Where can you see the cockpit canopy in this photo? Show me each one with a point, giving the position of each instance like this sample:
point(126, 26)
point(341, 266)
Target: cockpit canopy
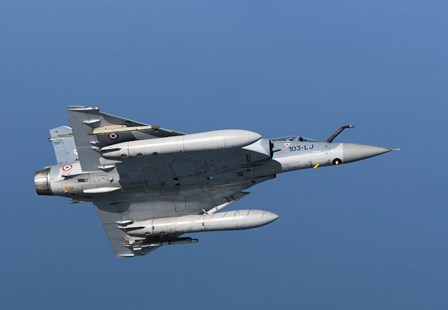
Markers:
point(294, 138)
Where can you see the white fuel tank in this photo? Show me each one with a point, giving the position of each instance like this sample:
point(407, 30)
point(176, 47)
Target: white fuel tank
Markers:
point(232, 220)
point(205, 141)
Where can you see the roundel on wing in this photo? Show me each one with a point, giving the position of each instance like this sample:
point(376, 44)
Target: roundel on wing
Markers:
point(113, 136)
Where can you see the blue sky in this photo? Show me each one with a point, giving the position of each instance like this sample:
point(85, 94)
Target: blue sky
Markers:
point(370, 235)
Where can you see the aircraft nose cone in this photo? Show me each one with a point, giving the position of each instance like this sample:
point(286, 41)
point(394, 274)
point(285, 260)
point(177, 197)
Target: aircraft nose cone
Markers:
point(354, 152)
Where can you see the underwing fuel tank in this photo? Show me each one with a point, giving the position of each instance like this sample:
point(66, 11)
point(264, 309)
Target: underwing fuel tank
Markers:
point(232, 220)
point(206, 141)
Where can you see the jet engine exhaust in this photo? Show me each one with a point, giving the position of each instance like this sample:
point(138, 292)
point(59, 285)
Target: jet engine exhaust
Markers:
point(42, 182)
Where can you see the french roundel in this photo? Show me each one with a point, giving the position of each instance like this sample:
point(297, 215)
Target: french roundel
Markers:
point(67, 167)
point(113, 136)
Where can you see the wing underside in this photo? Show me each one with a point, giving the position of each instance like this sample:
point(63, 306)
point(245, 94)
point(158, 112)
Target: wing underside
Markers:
point(123, 209)
point(156, 187)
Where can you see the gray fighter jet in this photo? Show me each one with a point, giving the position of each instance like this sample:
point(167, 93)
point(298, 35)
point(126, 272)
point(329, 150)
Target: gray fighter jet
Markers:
point(150, 185)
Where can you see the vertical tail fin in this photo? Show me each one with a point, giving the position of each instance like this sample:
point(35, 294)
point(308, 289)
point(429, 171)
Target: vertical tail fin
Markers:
point(64, 145)
point(82, 119)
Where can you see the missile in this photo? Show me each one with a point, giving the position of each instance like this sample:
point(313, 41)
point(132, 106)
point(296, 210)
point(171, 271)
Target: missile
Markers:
point(205, 141)
point(232, 220)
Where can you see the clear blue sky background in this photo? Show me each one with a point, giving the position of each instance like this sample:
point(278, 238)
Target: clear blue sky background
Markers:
point(370, 235)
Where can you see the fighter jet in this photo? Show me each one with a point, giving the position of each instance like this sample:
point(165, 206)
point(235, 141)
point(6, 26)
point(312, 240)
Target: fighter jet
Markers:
point(151, 186)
